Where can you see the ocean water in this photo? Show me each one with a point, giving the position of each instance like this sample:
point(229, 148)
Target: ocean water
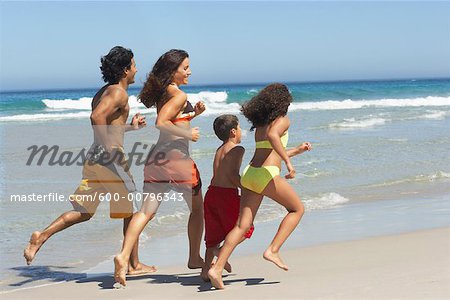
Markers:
point(373, 142)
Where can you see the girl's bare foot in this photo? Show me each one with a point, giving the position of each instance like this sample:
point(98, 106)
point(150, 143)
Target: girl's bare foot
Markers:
point(33, 247)
point(216, 278)
point(227, 266)
point(120, 270)
point(141, 269)
point(275, 258)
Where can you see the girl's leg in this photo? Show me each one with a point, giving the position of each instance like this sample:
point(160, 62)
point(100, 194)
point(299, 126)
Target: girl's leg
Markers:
point(137, 224)
point(282, 192)
point(250, 203)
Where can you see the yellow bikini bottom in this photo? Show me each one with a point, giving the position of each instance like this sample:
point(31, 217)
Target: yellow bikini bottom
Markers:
point(257, 178)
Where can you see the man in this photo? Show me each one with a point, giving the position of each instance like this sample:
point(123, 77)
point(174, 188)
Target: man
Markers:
point(105, 173)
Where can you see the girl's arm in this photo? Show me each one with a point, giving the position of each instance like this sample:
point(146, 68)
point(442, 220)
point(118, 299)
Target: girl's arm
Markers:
point(276, 130)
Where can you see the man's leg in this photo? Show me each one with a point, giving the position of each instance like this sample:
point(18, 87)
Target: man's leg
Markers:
point(135, 267)
point(38, 238)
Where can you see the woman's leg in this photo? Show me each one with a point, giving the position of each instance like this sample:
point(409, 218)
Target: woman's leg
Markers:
point(282, 192)
point(250, 203)
point(136, 226)
point(195, 231)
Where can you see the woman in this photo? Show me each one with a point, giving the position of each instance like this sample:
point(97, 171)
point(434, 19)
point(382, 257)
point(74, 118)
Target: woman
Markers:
point(267, 113)
point(178, 172)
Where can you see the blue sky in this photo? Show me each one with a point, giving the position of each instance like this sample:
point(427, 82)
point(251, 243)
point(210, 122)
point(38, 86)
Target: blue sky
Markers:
point(59, 44)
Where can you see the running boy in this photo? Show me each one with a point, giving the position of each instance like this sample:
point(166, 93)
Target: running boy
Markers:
point(222, 199)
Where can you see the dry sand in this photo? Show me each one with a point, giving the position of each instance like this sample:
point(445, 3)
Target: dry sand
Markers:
point(406, 266)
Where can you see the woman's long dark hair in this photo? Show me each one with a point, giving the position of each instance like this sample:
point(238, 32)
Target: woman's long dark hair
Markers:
point(154, 90)
point(270, 103)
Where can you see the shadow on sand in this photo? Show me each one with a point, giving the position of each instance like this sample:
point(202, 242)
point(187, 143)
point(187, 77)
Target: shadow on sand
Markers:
point(106, 281)
point(184, 279)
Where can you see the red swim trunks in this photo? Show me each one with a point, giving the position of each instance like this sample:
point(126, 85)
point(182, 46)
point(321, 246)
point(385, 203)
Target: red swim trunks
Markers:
point(221, 214)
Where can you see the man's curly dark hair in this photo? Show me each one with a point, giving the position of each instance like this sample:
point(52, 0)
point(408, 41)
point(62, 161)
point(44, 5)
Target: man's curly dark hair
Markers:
point(114, 64)
point(155, 87)
point(270, 103)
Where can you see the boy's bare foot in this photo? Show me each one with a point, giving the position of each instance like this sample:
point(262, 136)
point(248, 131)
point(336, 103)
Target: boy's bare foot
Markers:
point(204, 275)
point(33, 247)
point(196, 263)
point(216, 279)
point(275, 258)
point(120, 270)
point(141, 269)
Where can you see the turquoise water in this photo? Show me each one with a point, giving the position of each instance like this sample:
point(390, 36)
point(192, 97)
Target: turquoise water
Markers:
point(30, 102)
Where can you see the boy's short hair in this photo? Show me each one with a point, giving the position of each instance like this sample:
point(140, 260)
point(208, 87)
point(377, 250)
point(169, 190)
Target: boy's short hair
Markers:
point(223, 125)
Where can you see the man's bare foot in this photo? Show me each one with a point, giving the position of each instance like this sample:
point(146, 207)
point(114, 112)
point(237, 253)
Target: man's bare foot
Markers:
point(216, 279)
point(275, 258)
point(141, 269)
point(227, 266)
point(120, 270)
point(197, 263)
point(33, 247)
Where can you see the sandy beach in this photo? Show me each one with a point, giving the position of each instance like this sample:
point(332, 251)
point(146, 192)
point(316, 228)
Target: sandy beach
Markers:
point(412, 265)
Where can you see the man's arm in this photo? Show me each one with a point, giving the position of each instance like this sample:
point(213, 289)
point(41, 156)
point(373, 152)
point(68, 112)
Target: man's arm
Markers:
point(109, 104)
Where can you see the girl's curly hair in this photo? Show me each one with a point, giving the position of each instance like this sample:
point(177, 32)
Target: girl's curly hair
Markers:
point(270, 103)
point(154, 90)
point(115, 63)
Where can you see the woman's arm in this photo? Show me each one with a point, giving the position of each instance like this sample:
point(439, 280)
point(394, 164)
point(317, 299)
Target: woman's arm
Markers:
point(170, 111)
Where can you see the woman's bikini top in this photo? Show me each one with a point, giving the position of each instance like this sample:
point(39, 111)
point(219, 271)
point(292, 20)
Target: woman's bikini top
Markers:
point(265, 144)
point(187, 114)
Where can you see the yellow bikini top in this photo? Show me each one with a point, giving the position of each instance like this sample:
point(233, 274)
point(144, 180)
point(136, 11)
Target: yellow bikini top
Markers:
point(265, 144)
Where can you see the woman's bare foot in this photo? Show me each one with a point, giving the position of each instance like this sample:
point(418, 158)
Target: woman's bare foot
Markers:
point(33, 247)
point(216, 278)
point(141, 269)
point(275, 258)
point(196, 263)
point(120, 270)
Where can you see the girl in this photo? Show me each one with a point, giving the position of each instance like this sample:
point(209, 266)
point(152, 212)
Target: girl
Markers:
point(267, 113)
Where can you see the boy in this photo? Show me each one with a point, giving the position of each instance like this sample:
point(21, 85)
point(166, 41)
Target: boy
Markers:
point(222, 200)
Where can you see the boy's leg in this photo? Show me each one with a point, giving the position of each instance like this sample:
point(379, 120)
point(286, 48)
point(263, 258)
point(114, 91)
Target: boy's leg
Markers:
point(209, 257)
point(250, 203)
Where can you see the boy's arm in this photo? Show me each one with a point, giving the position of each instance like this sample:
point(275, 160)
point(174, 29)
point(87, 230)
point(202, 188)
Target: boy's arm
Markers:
point(237, 153)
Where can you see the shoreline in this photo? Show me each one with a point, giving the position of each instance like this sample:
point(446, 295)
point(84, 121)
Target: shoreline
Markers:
point(412, 265)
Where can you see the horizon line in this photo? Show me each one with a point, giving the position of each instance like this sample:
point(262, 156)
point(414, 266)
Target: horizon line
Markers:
point(236, 84)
